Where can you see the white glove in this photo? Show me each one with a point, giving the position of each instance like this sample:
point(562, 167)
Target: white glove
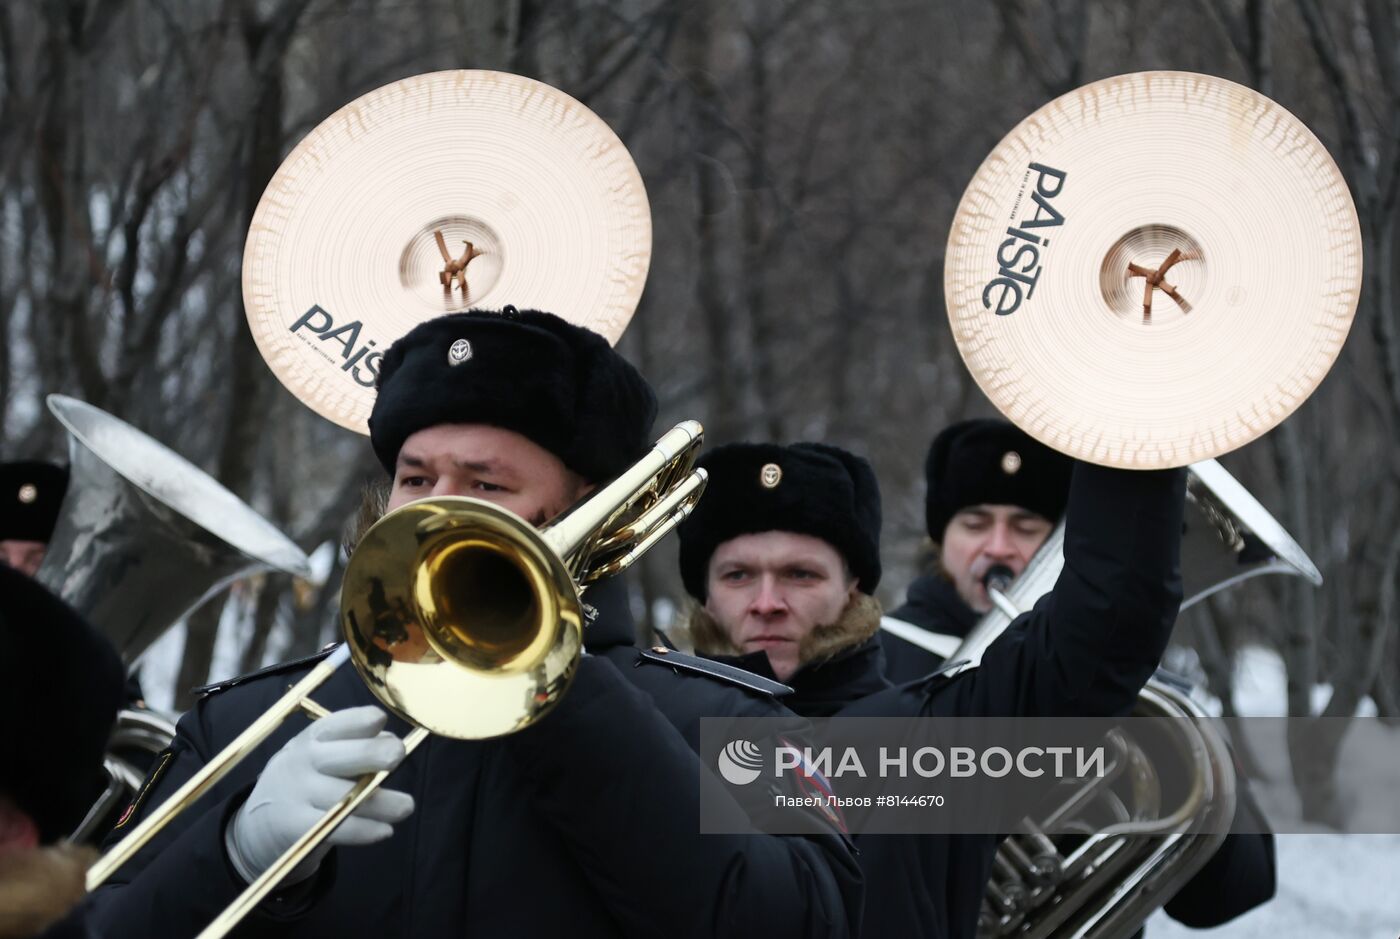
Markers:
point(305, 778)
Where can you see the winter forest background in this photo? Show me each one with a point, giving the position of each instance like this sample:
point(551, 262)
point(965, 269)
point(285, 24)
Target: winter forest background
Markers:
point(803, 159)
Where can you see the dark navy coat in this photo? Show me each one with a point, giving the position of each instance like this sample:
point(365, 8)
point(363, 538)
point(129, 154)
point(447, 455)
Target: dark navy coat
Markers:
point(1241, 874)
point(583, 825)
point(1087, 648)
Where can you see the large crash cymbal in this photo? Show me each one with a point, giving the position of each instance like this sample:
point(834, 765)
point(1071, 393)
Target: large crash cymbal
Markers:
point(1153, 269)
point(363, 231)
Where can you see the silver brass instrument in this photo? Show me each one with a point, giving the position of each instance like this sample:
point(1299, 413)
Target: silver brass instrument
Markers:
point(1128, 851)
point(142, 539)
point(463, 619)
point(1132, 854)
point(139, 735)
point(1229, 537)
point(144, 536)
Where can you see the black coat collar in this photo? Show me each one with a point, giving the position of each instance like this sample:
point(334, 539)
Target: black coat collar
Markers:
point(613, 626)
point(933, 604)
point(823, 689)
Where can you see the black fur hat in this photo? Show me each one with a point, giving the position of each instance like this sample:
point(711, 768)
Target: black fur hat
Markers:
point(807, 488)
point(61, 684)
point(559, 385)
point(992, 462)
point(30, 493)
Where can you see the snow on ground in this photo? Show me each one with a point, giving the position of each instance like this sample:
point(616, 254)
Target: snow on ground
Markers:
point(1329, 885)
point(1343, 886)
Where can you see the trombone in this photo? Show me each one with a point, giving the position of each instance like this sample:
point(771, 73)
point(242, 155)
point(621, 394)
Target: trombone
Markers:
point(464, 620)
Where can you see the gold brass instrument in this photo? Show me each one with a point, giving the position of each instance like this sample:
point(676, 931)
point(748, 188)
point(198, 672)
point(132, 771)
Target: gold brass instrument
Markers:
point(1147, 300)
point(464, 620)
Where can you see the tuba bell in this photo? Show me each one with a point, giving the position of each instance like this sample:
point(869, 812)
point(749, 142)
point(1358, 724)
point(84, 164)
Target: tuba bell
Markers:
point(1228, 538)
point(143, 538)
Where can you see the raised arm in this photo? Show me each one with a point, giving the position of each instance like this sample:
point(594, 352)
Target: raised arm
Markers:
point(1090, 645)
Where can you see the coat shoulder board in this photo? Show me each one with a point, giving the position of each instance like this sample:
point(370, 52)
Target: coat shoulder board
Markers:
point(274, 669)
point(660, 655)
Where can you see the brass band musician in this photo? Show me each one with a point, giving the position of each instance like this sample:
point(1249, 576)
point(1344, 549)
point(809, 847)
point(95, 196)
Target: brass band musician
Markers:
point(781, 557)
point(581, 824)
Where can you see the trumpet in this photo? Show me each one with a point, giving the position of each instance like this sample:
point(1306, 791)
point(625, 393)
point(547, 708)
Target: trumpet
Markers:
point(464, 620)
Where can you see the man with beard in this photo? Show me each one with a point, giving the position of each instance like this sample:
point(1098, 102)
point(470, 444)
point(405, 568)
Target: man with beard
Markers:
point(60, 687)
point(782, 558)
point(994, 496)
point(585, 823)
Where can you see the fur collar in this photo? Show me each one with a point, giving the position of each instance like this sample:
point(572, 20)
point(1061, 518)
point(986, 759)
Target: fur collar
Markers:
point(857, 623)
point(40, 887)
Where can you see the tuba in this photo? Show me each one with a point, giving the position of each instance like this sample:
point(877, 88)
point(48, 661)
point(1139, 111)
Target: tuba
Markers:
point(1125, 282)
point(145, 536)
point(1127, 854)
point(142, 539)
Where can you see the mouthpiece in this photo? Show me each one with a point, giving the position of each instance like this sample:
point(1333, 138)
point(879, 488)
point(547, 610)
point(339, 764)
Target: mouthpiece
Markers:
point(998, 577)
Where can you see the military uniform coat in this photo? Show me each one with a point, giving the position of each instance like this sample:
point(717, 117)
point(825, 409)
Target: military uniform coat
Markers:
point(582, 825)
point(934, 606)
point(1086, 648)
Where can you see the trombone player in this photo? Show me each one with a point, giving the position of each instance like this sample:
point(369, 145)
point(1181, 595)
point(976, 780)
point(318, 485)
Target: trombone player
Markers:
point(584, 823)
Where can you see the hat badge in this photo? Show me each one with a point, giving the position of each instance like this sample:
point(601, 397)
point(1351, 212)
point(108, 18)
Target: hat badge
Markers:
point(1010, 462)
point(28, 493)
point(770, 476)
point(461, 351)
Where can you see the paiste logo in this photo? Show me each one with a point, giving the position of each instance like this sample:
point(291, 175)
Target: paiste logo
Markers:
point(1018, 257)
point(362, 363)
point(740, 762)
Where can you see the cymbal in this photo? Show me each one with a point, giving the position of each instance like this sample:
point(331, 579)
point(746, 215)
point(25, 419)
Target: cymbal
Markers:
point(1153, 269)
point(434, 194)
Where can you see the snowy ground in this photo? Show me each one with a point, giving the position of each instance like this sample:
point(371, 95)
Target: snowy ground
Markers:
point(1329, 885)
point(1344, 886)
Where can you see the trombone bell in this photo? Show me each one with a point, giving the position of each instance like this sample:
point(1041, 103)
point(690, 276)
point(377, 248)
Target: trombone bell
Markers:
point(478, 634)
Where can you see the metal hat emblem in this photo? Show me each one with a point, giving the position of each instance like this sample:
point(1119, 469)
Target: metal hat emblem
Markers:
point(770, 476)
point(461, 351)
point(28, 493)
point(1010, 462)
